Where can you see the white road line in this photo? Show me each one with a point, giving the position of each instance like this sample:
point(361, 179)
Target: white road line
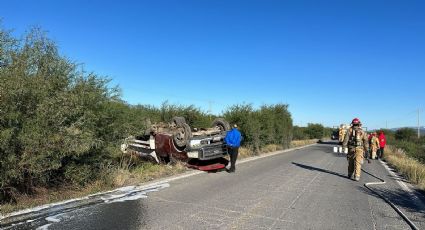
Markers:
point(398, 179)
point(403, 186)
point(401, 183)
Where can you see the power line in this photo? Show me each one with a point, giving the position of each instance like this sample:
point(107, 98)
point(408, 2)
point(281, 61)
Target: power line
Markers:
point(408, 119)
point(403, 118)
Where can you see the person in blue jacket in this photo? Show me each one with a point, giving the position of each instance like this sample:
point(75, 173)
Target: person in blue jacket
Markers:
point(233, 141)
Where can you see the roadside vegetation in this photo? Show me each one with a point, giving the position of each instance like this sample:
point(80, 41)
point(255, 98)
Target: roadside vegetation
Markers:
point(412, 169)
point(312, 131)
point(61, 127)
point(406, 153)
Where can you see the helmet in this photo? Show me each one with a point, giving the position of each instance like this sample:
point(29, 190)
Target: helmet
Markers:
point(356, 121)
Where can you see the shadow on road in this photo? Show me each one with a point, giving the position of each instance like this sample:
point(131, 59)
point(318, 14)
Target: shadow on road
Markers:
point(328, 142)
point(328, 148)
point(217, 171)
point(370, 174)
point(397, 196)
point(319, 170)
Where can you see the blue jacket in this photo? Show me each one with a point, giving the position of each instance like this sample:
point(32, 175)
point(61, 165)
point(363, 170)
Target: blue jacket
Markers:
point(233, 138)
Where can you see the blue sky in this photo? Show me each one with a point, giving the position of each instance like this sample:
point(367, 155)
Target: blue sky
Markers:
point(330, 61)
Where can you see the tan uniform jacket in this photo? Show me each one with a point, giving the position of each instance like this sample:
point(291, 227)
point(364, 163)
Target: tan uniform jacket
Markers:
point(356, 138)
point(342, 133)
point(374, 142)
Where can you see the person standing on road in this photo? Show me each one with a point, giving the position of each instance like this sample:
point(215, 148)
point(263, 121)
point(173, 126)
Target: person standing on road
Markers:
point(374, 145)
point(233, 141)
point(357, 142)
point(382, 143)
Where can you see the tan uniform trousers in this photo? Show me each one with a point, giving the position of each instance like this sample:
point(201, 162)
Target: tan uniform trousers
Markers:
point(355, 159)
point(374, 149)
point(342, 135)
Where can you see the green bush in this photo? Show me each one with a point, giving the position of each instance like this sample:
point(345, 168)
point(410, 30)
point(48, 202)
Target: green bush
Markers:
point(312, 131)
point(51, 114)
point(271, 124)
point(406, 139)
point(194, 116)
point(299, 133)
point(315, 131)
point(405, 134)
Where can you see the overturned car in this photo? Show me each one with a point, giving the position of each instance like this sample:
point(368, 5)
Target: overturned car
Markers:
point(178, 141)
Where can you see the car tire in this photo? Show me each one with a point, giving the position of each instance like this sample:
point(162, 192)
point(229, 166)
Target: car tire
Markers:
point(222, 124)
point(178, 121)
point(182, 135)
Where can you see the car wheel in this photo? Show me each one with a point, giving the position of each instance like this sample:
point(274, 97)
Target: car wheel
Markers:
point(182, 135)
point(222, 124)
point(178, 121)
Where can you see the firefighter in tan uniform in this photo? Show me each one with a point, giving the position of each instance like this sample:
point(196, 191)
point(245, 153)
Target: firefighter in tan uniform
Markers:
point(357, 142)
point(374, 145)
point(342, 132)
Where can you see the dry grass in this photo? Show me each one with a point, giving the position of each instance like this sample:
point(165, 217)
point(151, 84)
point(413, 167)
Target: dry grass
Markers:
point(412, 169)
point(117, 178)
point(245, 152)
point(46, 196)
point(152, 171)
point(299, 143)
point(271, 148)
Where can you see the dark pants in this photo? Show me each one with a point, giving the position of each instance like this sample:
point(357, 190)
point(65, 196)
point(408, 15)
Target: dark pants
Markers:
point(233, 153)
point(381, 153)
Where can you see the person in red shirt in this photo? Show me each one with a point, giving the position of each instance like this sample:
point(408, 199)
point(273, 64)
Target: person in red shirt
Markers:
point(382, 143)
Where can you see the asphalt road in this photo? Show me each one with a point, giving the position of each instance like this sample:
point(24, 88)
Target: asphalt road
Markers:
point(301, 189)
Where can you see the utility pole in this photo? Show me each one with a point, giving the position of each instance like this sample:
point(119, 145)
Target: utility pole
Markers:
point(419, 127)
point(210, 108)
point(386, 124)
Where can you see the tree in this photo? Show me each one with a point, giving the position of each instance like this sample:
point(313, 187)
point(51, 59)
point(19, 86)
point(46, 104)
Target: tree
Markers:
point(407, 134)
point(271, 124)
point(52, 119)
point(315, 131)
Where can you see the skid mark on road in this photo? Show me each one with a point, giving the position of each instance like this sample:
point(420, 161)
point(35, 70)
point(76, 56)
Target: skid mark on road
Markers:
point(292, 205)
point(211, 220)
point(220, 210)
point(372, 214)
point(263, 201)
